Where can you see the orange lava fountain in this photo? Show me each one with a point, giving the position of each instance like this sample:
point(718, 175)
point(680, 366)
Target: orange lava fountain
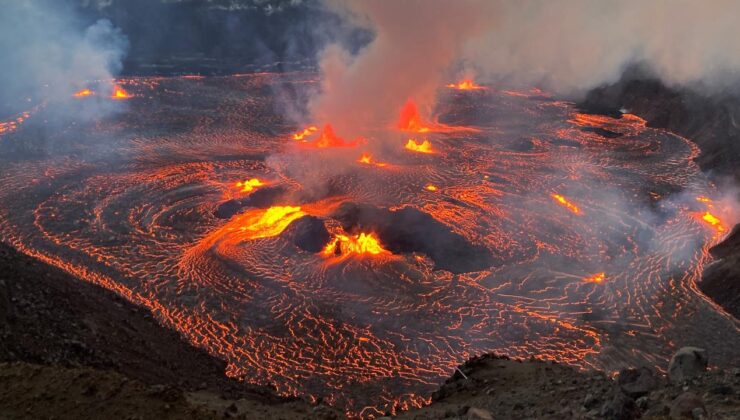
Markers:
point(466, 85)
point(367, 159)
point(249, 185)
point(120, 93)
point(596, 278)
point(410, 120)
point(362, 244)
point(83, 93)
point(423, 147)
point(301, 135)
point(328, 139)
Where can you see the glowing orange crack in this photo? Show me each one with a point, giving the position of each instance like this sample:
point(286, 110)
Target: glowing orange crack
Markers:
point(565, 203)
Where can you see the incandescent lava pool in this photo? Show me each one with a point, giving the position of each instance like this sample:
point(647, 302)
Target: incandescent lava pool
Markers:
point(363, 274)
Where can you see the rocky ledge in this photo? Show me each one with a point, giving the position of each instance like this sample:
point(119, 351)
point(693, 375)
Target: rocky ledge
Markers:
point(493, 387)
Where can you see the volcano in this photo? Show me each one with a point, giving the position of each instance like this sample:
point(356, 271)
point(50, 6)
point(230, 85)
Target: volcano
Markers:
point(365, 285)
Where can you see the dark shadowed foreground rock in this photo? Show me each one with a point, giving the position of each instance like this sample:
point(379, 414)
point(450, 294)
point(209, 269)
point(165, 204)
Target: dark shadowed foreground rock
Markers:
point(687, 363)
point(619, 407)
point(514, 389)
point(78, 351)
point(688, 406)
point(721, 278)
point(637, 382)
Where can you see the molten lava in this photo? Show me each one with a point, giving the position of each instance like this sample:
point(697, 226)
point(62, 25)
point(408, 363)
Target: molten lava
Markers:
point(565, 203)
point(328, 139)
point(465, 85)
point(430, 187)
point(410, 120)
point(120, 93)
point(713, 221)
point(703, 199)
point(249, 185)
point(265, 223)
point(596, 278)
point(423, 147)
point(83, 93)
point(301, 135)
point(367, 159)
point(362, 244)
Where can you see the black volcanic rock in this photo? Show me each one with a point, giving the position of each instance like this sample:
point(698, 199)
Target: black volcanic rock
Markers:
point(227, 209)
point(721, 279)
point(308, 233)
point(410, 230)
point(261, 198)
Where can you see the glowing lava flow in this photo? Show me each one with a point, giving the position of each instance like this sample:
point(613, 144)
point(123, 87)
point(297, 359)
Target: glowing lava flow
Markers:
point(270, 222)
point(362, 244)
point(423, 147)
point(708, 217)
point(713, 221)
point(83, 93)
point(249, 185)
point(301, 135)
point(466, 85)
point(596, 278)
point(120, 93)
point(430, 187)
point(371, 333)
point(565, 203)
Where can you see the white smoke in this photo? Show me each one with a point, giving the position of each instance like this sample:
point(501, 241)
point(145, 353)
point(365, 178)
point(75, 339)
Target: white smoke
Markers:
point(49, 52)
point(563, 46)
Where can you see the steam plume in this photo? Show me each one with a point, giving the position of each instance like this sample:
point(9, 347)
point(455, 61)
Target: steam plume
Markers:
point(49, 52)
point(567, 47)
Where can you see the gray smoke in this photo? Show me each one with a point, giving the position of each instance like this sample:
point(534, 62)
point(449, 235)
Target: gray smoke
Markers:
point(566, 47)
point(49, 52)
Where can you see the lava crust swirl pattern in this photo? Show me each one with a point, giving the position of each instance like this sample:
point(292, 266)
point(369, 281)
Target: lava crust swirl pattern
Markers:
point(587, 250)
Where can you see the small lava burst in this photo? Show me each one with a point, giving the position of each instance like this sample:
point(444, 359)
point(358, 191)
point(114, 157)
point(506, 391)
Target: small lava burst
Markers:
point(703, 199)
point(266, 223)
point(328, 139)
point(713, 221)
point(249, 185)
point(367, 159)
point(423, 147)
point(565, 203)
point(430, 187)
point(410, 120)
point(361, 244)
point(465, 85)
point(120, 93)
point(83, 93)
point(596, 278)
point(308, 131)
